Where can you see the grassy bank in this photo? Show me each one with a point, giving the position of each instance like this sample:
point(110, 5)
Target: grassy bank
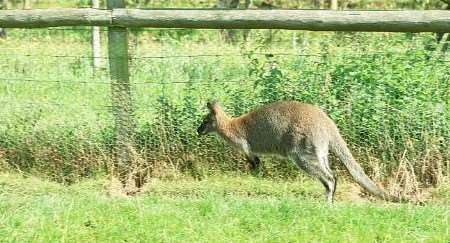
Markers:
point(219, 209)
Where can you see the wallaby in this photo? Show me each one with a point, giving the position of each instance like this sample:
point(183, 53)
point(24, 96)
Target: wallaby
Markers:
point(302, 132)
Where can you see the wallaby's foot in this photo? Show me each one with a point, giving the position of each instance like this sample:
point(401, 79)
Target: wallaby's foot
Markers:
point(330, 187)
point(255, 163)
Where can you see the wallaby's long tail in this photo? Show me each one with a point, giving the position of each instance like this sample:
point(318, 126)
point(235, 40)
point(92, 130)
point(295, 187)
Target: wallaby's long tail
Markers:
point(339, 147)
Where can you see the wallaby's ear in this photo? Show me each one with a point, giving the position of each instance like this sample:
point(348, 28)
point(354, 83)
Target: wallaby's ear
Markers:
point(212, 106)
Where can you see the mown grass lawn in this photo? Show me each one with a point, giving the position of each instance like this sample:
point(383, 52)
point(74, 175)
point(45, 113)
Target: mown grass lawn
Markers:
point(218, 209)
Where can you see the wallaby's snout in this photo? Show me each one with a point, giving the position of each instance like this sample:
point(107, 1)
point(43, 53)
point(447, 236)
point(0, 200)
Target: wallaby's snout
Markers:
point(202, 130)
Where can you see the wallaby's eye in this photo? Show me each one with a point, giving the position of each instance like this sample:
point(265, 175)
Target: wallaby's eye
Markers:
point(208, 118)
point(211, 118)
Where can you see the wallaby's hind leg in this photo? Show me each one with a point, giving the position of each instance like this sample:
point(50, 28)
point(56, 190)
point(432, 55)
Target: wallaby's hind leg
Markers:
point(325, 164)
point(312, 165)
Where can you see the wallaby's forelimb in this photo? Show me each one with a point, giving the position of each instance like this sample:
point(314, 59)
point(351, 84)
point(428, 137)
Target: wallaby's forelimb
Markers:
point(255, 162)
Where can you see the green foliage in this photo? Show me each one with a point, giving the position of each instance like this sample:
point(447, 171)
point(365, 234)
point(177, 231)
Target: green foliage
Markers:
point(387, 93)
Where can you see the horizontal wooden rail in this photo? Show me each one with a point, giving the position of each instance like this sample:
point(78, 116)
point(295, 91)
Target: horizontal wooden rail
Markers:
point(316, 20)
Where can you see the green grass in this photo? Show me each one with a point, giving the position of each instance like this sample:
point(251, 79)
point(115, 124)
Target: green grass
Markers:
point(217, 209)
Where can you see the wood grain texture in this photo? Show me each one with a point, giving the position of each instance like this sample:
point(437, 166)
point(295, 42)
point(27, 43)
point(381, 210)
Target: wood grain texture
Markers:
point(121, 96)
point(41, 18)
point(314, 20)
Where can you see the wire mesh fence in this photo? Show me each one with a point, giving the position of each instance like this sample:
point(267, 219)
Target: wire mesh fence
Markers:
point(388, 94)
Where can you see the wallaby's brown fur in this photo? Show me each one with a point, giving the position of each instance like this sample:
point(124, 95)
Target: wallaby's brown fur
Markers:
point(299, 131)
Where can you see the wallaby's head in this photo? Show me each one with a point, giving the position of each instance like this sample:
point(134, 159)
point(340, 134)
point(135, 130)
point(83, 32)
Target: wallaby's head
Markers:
point(209, 123)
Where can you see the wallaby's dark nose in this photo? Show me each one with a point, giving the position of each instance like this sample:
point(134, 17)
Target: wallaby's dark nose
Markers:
point(200, 130)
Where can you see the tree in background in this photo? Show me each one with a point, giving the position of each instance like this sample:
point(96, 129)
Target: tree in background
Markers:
point(231, 36)
point(333, 4)
point(27, 4)
point(228, 35)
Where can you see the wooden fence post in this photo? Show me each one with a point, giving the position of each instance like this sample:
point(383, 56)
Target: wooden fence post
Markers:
point(96, 47)
point(121, 97)
point(314, 20)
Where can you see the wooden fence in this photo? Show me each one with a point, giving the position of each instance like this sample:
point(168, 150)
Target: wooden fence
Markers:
point(118, 19)
point(314, 20)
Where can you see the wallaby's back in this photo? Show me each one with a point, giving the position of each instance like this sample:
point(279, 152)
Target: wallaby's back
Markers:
point(280, 126)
